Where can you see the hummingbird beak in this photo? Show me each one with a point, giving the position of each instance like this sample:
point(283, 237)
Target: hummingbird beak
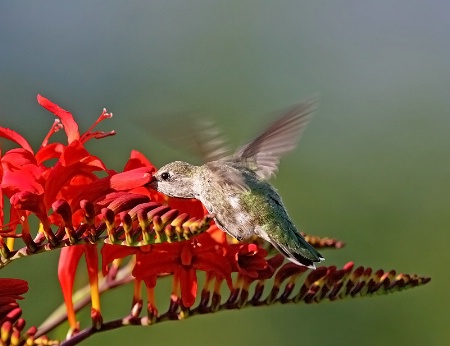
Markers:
point(153, 183)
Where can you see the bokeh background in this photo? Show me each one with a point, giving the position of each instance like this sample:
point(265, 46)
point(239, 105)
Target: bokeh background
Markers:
point(372, 169)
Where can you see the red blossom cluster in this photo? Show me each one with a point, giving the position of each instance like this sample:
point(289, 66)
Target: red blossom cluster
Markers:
point(65, 178)
point(11, 290)
point(12, 324)
point(81, 204)
point(209, 252)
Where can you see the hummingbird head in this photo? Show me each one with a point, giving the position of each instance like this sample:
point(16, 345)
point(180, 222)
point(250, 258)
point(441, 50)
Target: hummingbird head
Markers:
point(176, 179)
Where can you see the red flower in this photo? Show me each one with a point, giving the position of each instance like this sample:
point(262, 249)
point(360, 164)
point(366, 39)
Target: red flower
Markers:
point(24, 173)
point(33, 187)
point(249, 261)
point(10, 291)
point(67, 267)
point(206, 253)
point(78, 197)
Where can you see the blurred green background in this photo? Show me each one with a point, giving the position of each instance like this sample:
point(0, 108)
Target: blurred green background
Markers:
point(372, 169)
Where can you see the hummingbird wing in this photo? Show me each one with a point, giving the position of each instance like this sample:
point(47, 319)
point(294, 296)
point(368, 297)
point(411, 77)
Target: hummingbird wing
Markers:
point(209, 141)
point(191, 134)
point(227, 176)
point(262, 155)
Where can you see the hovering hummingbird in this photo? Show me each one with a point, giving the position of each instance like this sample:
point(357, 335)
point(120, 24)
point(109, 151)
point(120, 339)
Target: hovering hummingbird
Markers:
point(235, 191)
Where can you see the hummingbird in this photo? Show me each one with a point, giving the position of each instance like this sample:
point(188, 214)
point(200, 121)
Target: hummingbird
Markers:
point(236, 192)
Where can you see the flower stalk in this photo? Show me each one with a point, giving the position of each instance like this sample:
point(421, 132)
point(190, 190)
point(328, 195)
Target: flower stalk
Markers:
point(142, 237)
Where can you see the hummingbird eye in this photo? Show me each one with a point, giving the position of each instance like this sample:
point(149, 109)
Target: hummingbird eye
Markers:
point(165, 176)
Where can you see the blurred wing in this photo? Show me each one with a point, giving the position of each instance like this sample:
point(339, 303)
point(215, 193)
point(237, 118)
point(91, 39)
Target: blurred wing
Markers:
point(209, 141)
point(227, 177)
point(191, 134)
point(262, 155)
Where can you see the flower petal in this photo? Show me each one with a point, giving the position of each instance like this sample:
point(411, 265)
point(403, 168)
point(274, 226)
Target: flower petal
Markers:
point(11, 290)
point(50, 151)
point(67, 268)
point(111, 252)
point(61, 174)
point(25, 180)
point(70, 126)
point(137, 160)
point(131, 179)
point(191, 206)
point(188, 285)
point(15, 137)
point(14, 159)
point(73, 153)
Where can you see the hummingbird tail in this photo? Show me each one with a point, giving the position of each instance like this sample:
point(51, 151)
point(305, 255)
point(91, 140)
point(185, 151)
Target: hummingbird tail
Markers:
point(301, 254)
